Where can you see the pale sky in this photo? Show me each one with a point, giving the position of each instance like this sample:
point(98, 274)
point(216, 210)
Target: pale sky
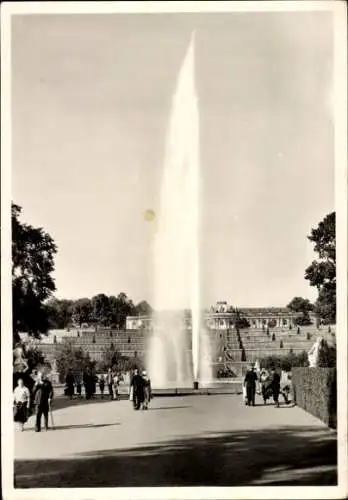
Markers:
point(91, 100)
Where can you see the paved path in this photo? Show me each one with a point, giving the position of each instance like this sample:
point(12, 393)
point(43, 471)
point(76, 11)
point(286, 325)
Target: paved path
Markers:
point(185, 441)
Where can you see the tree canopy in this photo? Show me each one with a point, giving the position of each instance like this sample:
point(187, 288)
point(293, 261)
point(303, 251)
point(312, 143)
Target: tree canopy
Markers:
point(109, 311)
point(302, 307)
point(112, 358)
point(74, 358)
point(143, 308)
point(322, 272)
point(33, 252)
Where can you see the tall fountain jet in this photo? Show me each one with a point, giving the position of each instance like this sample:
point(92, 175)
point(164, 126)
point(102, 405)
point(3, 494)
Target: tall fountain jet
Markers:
point(176, 245)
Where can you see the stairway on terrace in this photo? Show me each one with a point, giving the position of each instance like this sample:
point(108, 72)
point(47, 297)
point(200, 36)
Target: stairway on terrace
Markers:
point(258, 343)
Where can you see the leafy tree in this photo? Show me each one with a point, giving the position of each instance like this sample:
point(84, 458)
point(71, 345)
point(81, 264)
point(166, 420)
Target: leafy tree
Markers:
point(112, 358)
point(82, 311)
point(59, 312)
point(100, 306)
point(322, 272)
point(302, 307)
point(303, 320)
point(143, 309)
point(35, 358)
point(33, 253)
point(121, 307)
point(299, 304)
point(74, 358)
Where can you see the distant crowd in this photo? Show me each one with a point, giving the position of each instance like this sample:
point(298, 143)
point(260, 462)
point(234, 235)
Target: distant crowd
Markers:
point(89, 381)
point(36, 398)
point(139, 390)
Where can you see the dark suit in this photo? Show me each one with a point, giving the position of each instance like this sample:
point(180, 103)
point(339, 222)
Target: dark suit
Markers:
point(138, 384)
point(275, 384)
point(43, 392)
point(250, 384)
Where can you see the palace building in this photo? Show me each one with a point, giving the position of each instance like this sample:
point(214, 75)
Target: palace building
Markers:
point(222, 316)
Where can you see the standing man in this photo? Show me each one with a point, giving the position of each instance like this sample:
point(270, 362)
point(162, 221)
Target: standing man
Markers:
point(138, 385)
point(43, 395)
point(109, 381)
point(275, 385)
point(70, 382)
point(101, 384)
point(250, 385)
point(116, 382)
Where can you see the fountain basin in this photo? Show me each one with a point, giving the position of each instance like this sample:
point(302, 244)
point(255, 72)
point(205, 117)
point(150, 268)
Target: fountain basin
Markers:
point(235, 387)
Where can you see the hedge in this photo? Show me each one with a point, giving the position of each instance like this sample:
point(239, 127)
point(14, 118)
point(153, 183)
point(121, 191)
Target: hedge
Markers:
point(285, 362)
point(315, 391)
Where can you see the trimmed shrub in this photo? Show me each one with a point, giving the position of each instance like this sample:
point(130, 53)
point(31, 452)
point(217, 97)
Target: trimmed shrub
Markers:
point(285, 362)
point(327, 357)
point(315, 392)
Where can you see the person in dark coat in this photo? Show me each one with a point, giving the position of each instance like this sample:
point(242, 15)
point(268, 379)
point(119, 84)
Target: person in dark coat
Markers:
point(109, 381)
point(87, 382)
point(102, 385)
point(275, 385)
point(43, 395)
point(70, 382)
point(250, 385)
point(138, 385)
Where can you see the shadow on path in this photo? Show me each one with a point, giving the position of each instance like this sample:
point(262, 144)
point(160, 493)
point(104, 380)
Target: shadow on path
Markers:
point(169, 408)
point(61, 402)
point(82, 426)
point(284, 456)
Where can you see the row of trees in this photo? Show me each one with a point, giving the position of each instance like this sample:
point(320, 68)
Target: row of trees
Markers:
point(110, 311)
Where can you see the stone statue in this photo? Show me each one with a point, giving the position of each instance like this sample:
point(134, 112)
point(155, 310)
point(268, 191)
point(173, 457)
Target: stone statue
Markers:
point(315, 352)
point(19, 362)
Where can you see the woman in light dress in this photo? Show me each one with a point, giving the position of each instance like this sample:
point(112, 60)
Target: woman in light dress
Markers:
point(21, 399)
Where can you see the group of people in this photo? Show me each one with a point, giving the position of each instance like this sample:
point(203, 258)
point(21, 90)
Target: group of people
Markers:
point(271, 384)
point(38, 401)
point(90, 381)
point(140, 392)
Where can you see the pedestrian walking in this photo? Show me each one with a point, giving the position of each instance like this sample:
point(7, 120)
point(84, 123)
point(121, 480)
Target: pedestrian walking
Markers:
point(250, 385)
point(115, 384)
point(265, 385)
point(102, 385)
point(79, 386)
point(275, 385)
point(88, 383)
point(21, 399)
point(43, 395)
point(109, 380)
point(147, 391)
point(137, 386)
point(69, 383)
